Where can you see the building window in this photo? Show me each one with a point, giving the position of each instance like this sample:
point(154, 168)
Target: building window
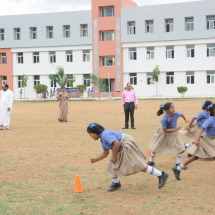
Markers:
point(3, 58)
point(1, 34)
point(133, 78)
point(108, 11)
point(210, 50)
point(107, 36)
point(210, 77)
point(170, 52)
point(36, 57)
point(150, 53)
point(190, 51)
point(190, 77)
point(20, 58)
point(69, 56)
point(52, 57)
point(87, 80)
point(86, 55)
point(36, 80)
point(19, 82)
point(149, 78)
point(50, 33)
point(53, 83)
point(169, 25)
point(189, 24)
point(131, 28)
point(170, 78)
point(84, 30)
point(33, 33)
point(210, 22)
point(149, 27)
point(66, 31)
point(108, 61)
point(17, 34)
point(4, 80)
point(132, 54)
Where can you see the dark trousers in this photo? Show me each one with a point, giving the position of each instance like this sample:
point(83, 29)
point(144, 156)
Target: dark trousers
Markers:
point(129, 107)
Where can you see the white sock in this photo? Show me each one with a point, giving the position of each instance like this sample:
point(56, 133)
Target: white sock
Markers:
point(115, 179)
point(188, 144)
point(153, 171)
point(152, 157)
point(180, 167)
point(179, 157)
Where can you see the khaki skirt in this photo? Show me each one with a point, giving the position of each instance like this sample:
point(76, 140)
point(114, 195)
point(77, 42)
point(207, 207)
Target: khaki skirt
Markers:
point(206, 149)
point(193, 133)
point(130, 160)
point(163, 143)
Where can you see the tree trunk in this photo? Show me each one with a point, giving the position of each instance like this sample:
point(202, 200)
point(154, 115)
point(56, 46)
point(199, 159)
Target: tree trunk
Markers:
point(156, 89)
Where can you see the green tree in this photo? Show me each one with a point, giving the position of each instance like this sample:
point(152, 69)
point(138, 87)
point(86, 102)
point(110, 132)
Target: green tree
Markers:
point(40, 88)
point(182, 90)
point(24, 79)
point(61, 78)
point(100, 83)
point(82, 89)
point(155, 76)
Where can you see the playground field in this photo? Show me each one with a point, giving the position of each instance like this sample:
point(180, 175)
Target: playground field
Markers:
point(40, 158)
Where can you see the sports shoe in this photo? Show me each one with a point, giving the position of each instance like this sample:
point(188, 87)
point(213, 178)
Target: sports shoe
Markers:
point(189, 155)
point(114, 186)
point(184, 168)
point(151, 163)
point(185, 146)
point(162, 179)
point(7, 128)
point(176, 173)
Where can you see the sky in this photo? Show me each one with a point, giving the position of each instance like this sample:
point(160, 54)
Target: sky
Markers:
point(13, 7)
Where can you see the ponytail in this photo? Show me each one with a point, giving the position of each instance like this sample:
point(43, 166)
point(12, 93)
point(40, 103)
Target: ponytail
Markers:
point(206, 104)
point(163, 108)
point(211, 109)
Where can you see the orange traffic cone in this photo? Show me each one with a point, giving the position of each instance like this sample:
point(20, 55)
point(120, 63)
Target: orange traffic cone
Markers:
point(150, 152)
point(78, 186)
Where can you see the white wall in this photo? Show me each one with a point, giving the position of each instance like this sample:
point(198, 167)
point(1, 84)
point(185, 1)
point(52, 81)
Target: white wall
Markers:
point(78, 68)
point(200, 64)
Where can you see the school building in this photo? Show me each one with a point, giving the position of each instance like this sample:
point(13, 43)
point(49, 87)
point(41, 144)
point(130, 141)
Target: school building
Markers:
point(116, 37)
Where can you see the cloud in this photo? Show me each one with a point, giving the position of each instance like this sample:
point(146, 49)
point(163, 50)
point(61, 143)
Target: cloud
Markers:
point(12, 7)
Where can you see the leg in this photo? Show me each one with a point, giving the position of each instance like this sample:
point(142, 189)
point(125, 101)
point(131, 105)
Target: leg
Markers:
point(151, 162)
point(115, 185)
point(162, 176)
point(126, 110)
point(132, 106)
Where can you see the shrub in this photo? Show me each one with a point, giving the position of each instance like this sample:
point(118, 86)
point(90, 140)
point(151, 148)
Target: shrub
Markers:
point(182, 90)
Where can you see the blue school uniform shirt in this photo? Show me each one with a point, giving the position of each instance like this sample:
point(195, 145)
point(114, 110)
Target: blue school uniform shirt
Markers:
point(92, 90)
point(50, 91)
point(53, 91)
point(209, 126)
point(108, 137)
point(88, 91)
point(170, 123)
point(202, 117)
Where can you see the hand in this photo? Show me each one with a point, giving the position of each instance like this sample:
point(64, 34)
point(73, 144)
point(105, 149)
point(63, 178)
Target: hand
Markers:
point(93, 160)
point(187, 121)
point(178, 128)
point(197, 143)
point(113, 159)
point(122, 104)
point(136, 106)
point(8, 109)
point(188, 129)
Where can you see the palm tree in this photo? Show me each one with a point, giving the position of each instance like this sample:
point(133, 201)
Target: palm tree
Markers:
point(61, 78)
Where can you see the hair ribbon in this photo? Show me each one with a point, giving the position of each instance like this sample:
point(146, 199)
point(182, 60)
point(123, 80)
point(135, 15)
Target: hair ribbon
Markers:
point(203, 105)
point(162, 106)
point(92, 125)
point(210, 106)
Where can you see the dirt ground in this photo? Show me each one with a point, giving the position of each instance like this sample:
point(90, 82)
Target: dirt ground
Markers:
point(40, 158)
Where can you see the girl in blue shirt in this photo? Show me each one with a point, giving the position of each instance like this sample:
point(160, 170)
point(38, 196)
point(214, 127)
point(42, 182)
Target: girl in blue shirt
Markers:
point(192, 130)
point(127, 156)
point(204, 146)
point(166, 140)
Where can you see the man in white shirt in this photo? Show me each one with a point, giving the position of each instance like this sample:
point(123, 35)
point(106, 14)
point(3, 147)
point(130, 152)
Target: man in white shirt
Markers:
point(6, 101)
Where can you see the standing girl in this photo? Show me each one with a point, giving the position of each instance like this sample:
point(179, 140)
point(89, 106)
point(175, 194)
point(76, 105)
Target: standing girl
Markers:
point(204, 146)
point(127, 156)
point(166, 140)
point(192, 130)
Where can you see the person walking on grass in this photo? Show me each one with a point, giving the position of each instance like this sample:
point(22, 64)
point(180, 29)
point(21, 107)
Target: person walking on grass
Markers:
point(127, 156)
point(166, 140)
point(204, 146)
point(130, 102)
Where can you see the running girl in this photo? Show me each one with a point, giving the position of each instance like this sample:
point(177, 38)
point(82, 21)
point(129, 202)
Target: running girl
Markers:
point(127, 156)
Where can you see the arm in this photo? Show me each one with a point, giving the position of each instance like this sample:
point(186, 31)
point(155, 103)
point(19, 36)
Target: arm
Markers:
point(191, 122)
point(100, 157)
point(10, 102)
point(58, 97)
point(197, 142)
point(116, 146)
point(186, 121)
point(172, 129)
point(123, 98)
point(136, 99)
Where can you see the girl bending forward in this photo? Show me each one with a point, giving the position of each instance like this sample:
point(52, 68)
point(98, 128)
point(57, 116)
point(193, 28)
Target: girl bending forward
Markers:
point(166, 140)
point(127, 156)
point(204, 146)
